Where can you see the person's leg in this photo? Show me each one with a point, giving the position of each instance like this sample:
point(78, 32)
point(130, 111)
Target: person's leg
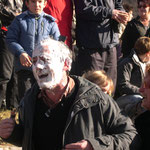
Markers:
point(25, 81)
point(12, 92)
point(83, 61)
point(110, 66)
point(129, 104)
point(6, 67)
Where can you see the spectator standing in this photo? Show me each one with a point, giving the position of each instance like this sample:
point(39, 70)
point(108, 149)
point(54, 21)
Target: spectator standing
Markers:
point(136, 28)
point(64, 112)
point(62, 10)
point(129, 9)
point(131, 72)
point(28, 29)
point(97, 35)
point(8, 80)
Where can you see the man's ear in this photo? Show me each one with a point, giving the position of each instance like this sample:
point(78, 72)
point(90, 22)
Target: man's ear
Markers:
point(66, 65)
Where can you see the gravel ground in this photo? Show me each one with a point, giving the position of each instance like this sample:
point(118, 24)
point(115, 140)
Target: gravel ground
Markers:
point(10, 148)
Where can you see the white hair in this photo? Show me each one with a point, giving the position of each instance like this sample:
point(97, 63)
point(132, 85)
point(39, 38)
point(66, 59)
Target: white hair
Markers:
point(57, 49)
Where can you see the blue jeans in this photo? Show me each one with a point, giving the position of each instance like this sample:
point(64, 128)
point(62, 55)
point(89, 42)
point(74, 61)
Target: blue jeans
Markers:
point(129, 103)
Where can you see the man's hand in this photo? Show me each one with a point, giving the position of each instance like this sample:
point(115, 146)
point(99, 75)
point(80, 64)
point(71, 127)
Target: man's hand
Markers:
point(25, 60)
point(6, 127)
point(81, 145)
point(120, 16)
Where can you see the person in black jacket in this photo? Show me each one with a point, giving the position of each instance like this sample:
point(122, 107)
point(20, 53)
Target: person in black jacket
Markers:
point(8, 80)
point(142, 122)
point(136, 28)
point(97, 35)
point(67, 112)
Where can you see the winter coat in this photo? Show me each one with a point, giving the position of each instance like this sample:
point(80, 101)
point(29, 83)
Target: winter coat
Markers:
point(95, 27)
point(129, 76)
point(26, 31)
point(132, 32)
point(94, 116)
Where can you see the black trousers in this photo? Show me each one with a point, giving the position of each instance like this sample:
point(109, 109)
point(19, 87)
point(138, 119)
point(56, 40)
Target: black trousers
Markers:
point(97, 60)
point(25, 81)
point(8, 79)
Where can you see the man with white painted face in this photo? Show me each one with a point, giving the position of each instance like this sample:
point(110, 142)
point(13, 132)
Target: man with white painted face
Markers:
point(67, 112)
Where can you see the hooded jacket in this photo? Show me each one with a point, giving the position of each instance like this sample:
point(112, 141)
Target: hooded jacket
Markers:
point(94, 116)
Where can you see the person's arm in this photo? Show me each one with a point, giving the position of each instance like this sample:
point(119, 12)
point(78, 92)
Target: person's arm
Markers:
point(89, 10)
point(12, 38)
point(120, 133)
point(55, 31)
point(128, 38)
point(124, 84)
point(11, 132)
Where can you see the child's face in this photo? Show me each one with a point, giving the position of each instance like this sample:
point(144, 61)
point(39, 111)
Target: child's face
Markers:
point(36, 6)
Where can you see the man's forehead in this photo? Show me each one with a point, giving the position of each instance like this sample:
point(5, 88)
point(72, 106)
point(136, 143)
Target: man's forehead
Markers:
point(43, 50)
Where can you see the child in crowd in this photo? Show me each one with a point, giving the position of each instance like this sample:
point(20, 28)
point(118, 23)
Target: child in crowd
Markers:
point(100, 78)
point(27, 30)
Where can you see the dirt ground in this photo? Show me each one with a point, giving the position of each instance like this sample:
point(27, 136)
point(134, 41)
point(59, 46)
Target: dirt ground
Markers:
point(6, 146)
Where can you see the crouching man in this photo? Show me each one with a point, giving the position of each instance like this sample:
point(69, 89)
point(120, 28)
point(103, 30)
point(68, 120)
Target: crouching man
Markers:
point(66, 112)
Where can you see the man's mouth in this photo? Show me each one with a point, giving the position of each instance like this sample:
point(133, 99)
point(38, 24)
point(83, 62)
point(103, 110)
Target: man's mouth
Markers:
point(43, 76)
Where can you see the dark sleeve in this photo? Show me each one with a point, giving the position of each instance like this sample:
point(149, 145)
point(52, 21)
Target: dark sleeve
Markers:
point(124, 85)
point(120, 132)
point(89, 10)
point(127, 40)
point(96, 11)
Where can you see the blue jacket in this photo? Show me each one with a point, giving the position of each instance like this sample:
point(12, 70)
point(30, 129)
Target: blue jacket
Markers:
point(25, 31)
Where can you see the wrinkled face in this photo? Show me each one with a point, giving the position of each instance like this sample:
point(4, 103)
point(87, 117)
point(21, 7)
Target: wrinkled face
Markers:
point(145, 91)
point(36, 6)
point(143, 9)
point(47, 69)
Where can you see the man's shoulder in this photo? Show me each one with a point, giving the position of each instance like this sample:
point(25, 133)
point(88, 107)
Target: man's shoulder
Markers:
point(88, 90)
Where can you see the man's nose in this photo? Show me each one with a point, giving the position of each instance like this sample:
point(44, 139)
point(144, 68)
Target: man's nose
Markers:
point(39, 66)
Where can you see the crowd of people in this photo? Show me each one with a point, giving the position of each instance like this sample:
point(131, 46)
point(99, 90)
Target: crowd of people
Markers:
point(92, 96)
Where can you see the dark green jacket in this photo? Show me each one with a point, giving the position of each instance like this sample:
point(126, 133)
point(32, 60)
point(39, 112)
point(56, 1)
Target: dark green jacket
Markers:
point(93, 116)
